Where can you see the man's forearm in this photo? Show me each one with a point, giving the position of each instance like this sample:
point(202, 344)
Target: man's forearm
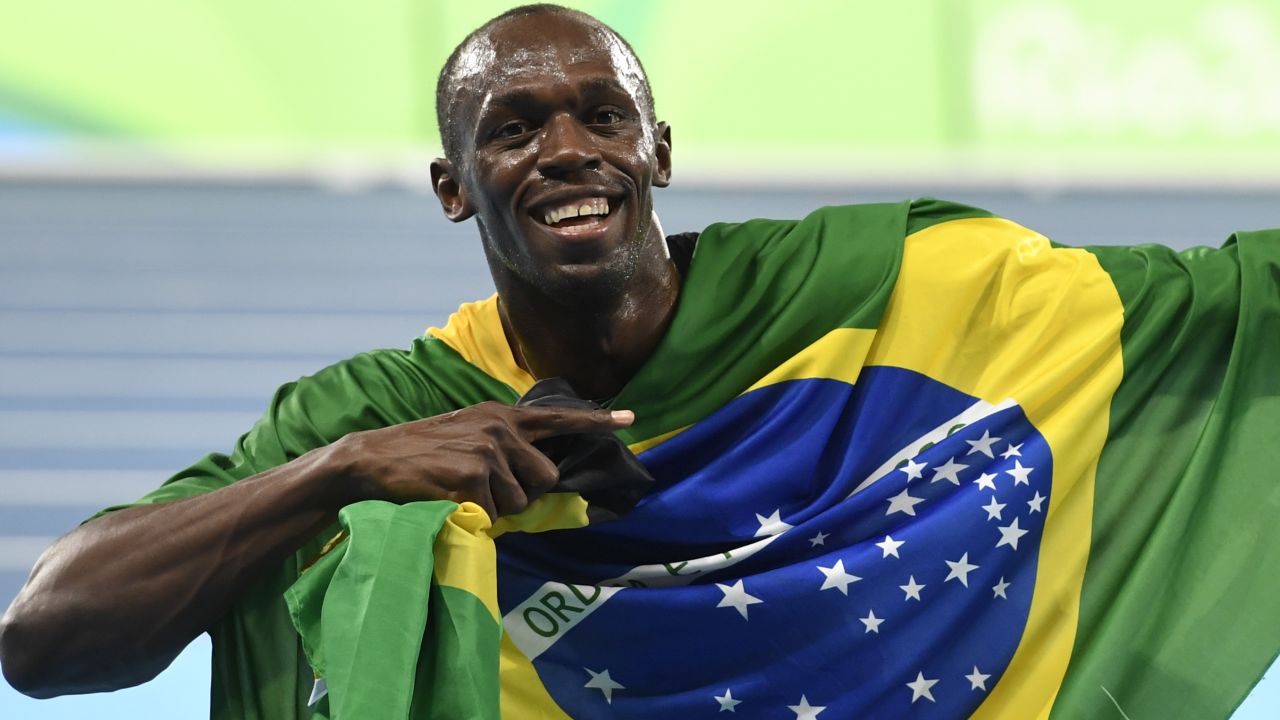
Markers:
point(113, 602)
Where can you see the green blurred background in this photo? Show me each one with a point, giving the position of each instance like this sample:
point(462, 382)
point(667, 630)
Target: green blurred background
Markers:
point(756, 91)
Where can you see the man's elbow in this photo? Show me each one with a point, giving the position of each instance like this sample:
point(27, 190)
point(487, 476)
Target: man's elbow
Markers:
point(20, 657)
point(35, 661)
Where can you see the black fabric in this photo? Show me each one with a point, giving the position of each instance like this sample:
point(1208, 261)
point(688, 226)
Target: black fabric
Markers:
point(681, 246)
point(595, 465)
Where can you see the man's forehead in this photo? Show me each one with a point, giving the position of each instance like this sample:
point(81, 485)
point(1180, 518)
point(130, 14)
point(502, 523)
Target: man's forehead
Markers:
point(544, 49)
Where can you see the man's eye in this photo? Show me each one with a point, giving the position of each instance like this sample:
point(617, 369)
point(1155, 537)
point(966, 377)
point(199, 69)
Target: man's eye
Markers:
point(607, 117)
point(511, 129)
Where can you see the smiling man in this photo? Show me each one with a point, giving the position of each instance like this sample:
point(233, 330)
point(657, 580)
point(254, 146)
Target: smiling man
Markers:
point(886, 444)
point(554, 148)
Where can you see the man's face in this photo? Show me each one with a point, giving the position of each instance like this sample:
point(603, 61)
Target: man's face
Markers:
point(558, 153)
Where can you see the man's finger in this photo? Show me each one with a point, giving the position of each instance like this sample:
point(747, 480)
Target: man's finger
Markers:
point(536, 423)
point(535, 472)
point(508, 495)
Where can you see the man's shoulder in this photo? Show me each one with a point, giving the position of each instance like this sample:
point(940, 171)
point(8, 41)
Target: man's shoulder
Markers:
point(434, 374)
point(906, 217)
point(926, 212)
point(365, 373)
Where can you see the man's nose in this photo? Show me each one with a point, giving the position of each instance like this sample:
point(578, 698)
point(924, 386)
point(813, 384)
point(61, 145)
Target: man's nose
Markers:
point(567, 147)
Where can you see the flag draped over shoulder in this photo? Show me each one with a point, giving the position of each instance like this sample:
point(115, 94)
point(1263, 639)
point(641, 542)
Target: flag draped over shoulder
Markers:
point(910, 461)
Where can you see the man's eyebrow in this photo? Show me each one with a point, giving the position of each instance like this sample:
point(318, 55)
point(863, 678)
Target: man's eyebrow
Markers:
point(525, 98)
point(602, 85)
point(519, 98)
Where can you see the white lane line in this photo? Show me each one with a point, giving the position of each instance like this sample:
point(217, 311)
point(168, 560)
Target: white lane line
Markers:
point(58, 429)
point(75, 488)
point(68, 376)
point(19, 552)
point(229, 333)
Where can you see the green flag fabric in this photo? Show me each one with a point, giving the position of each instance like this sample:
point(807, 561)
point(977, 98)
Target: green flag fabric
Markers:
point(386, 641)
point(909, 459)
point(1183, 576)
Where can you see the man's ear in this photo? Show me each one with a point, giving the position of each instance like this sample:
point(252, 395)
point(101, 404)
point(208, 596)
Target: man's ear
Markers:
point(453, 199)
point(662, 151)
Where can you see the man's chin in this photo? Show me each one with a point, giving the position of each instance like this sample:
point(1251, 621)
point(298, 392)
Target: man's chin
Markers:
point(602, 282)
point(577, 270)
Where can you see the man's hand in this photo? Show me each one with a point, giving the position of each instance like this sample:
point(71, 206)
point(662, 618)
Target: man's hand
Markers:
point(483, 453)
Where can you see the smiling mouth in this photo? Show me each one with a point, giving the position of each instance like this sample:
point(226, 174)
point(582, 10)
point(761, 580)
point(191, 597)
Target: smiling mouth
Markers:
point(575, 217)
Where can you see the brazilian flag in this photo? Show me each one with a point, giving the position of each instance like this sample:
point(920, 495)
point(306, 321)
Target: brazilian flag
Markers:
point(911, 460)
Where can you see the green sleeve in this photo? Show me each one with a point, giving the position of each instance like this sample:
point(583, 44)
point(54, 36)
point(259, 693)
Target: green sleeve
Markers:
point(259, 671)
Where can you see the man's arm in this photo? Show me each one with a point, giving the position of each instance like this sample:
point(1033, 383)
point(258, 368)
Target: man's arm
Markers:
point(113, 602)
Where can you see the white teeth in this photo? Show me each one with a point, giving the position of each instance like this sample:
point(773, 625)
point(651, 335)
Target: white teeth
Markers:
point(577, 208)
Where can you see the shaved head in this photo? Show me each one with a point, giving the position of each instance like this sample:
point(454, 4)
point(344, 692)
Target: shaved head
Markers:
point(478, 55)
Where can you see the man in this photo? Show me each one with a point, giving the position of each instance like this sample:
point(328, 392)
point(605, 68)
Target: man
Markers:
point(814, 405)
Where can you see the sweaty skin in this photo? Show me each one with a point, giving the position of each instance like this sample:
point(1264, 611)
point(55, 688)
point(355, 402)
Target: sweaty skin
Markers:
point(113, 602)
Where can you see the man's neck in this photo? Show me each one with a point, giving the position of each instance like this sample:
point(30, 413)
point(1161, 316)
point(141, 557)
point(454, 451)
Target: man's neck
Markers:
point(596, 346)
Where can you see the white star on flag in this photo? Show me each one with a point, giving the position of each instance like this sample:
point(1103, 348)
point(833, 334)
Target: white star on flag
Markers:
point(872, 622)
point(913, 469)
point(1012, 450)
point(903, 503)
point(819, 539)
point(890, 546)
point(1009, 534)
point(805, 711)
point(771, 525)
point(960, 570)
point(977, 680)
point(726, 701)
point(986, 481)
point(1035, 502)
point(737, 598)
point(605, 684)
point(1020, 474)
point(837, 578)
point(993, 509)
point(998, 589)
point(983, 445)
point(911, 589)
point(947, 471)
point(920, 688)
